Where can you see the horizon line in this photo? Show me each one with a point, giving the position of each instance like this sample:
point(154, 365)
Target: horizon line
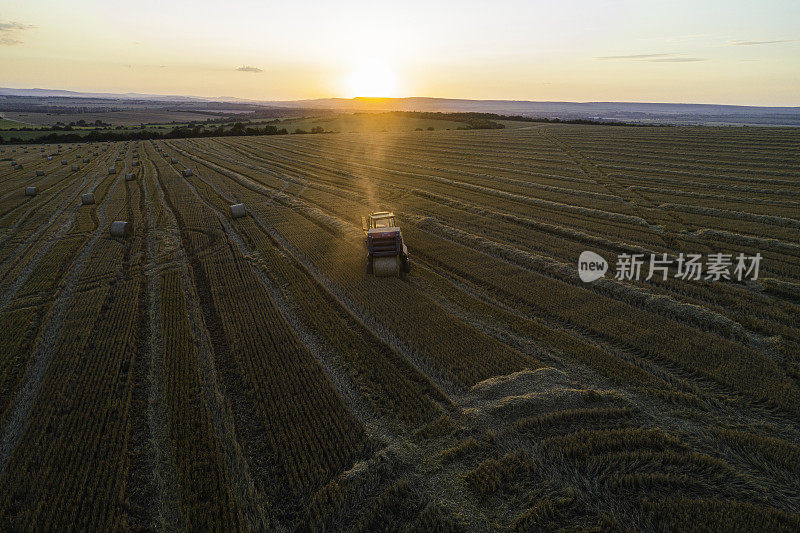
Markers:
point(111, 94)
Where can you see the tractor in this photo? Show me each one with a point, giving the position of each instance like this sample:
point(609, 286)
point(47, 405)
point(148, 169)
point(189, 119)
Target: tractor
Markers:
point(387, 254)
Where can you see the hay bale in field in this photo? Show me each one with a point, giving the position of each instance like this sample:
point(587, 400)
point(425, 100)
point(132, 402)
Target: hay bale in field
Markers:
point(18, 167)
point(30, 191)
point(238, 211)
point(130, 176)
point(174, 160)
point(74, 167)
point(85, 159)
point(40, 172)
point(88, 198)
point(121, 229)
point(187, 172)
point(49, 158)
point(112, 170)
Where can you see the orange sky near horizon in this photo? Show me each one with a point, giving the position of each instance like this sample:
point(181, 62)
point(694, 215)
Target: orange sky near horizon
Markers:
point(732, 52)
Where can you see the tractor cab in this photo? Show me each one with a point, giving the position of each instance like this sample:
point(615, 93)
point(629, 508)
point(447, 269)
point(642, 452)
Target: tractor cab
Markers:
point(378, 220)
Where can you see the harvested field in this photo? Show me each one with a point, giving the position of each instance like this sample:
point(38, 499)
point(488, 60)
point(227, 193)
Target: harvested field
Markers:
point(219, 369)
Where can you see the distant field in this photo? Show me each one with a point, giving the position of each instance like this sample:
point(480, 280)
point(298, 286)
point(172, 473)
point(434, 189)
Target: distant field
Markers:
point(363, 123)
point(247, 374)
point(6, 123)
point(132, 117)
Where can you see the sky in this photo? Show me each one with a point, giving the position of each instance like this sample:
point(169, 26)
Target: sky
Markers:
point(725, 52)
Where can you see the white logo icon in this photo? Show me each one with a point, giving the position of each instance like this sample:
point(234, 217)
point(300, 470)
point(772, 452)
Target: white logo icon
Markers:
point(591, 266)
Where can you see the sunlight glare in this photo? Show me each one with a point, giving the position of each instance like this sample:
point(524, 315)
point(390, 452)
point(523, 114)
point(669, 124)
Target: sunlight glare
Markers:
point(372, 79)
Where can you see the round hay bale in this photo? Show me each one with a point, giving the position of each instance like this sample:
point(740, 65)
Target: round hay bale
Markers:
point(30, 191)
point(121, 229)
point(187, 172)
point(130, 176)
point(18, 167)
point(238, 211)
point(386, 266)
point(112, 170)
point(74, 168)
point(88, 198)
point(40, 172)
point(174, 160)
point(85, 159)
point(63, 161)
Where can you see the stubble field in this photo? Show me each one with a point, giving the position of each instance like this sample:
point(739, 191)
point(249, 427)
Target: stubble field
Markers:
point(211, 372)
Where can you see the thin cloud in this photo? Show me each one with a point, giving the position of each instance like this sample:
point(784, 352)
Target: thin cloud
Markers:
point(758, 43)
point(247, 68)
point(635, 56)
point(10, 29)
point(12, 26)
point(654, 58)
point(677, 59)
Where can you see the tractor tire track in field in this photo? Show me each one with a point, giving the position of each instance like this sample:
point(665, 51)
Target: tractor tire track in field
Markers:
point(53, 191)
point(219, 407)
point(42, 251)
point(384, 333)
point(673, 223)
point(710, 392)
point(499, 193)
point(349, 391)
point(30, 205)
point(164, 476)
point(70, 184)
point(19, 251)
point(47, 339)
point(10, 176)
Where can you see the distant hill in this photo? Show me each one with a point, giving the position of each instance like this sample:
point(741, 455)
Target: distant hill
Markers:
point(643, 112)
point(640, 112)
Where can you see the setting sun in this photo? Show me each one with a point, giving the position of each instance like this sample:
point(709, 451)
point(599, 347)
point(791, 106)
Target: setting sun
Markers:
point(372, 79)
